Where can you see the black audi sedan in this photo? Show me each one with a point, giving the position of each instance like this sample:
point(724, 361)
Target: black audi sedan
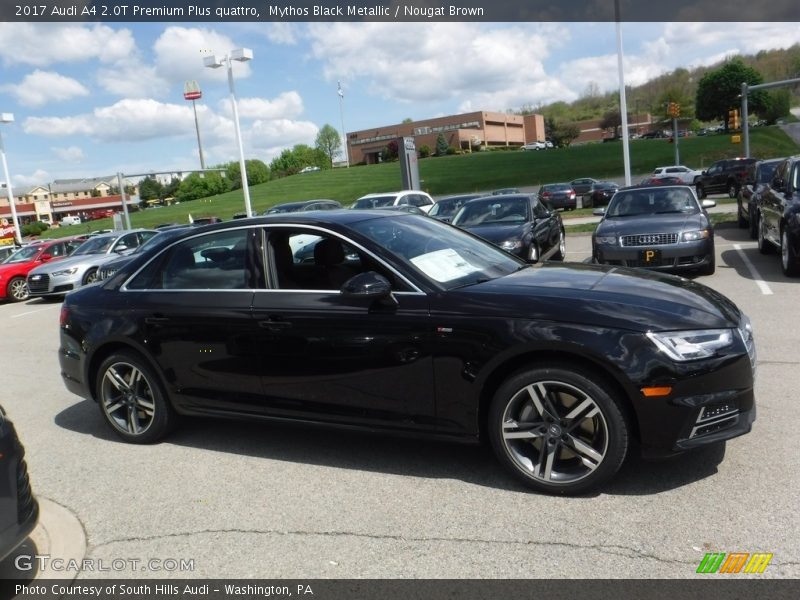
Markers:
point(517, 223)
point(19, 510)
point(430, 330)
point(656, 227)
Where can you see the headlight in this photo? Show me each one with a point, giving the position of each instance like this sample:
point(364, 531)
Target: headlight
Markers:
point(691, 345)
point(70, 271)
point(693, 236)
point(511, 244)
point(606, 239)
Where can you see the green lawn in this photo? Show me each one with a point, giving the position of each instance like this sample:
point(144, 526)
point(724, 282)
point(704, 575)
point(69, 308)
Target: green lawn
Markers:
point(466, 173)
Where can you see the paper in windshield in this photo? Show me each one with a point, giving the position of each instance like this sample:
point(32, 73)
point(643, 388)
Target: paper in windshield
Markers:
point(444, 265)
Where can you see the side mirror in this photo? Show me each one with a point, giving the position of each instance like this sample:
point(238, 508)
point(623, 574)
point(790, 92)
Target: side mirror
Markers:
point(708, 204)
point(46, 257)
point(121, 248)
point(599, 212)
point(370, 285)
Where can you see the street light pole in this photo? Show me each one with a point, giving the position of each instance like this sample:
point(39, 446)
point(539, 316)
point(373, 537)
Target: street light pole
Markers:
point(241, 55)
point(8, 118)
point(623, 103)
point(341, 116)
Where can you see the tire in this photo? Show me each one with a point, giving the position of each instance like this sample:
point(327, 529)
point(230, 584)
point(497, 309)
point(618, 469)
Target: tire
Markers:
point(131, 399)
point(90, 277)
point(754, 226)
point(739, 216)
point(578, 448)
point(733, 189)
point(789, 258)
point(710, 268)
point(764, 247)
point(701, 191)
point(533, 253)
point(17, 289)
point(561, 253)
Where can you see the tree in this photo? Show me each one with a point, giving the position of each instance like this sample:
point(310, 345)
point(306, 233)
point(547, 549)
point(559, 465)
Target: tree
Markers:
point(150, 189)
point(257, 172)
point(194, 186)
point(441, 145)
point(407, 120)
point(328, 142)
point(389, 151)
point(565, 133)
point(778, 105)
point(291, 161)
point(718, 91)
point(611, 120)
point(171, 188)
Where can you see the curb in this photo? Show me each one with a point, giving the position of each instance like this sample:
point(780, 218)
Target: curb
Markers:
point(58, 535)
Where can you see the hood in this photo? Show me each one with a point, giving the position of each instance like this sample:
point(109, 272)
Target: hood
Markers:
point(668, 223)
point(499, 232)
point(603, 295)
point(65, 263)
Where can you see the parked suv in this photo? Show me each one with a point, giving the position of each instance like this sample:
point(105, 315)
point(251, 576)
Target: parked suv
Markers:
point(728, 175)
point(759, 175)
point(779, 215)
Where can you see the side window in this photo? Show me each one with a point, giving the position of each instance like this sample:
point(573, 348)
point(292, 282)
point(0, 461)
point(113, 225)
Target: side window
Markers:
point(70, 247)
point(129, 241)
point(539, 211)
point(56, 250)
point(143, 236)
point(795, 181)
point(301, 259)
point(217, 261)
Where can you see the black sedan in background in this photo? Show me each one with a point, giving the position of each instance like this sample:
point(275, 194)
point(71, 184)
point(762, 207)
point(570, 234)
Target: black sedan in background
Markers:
point(446, 208)
point(558, 195)
point(428, 330)
point(18, 507)
point(779, 216)
point(659, 227)
point(599, 194)
point(304, 205)
point(759, 175)
point(517, 223)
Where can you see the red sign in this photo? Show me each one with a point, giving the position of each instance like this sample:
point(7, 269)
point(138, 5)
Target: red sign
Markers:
point(191, 91)
point(6, 232)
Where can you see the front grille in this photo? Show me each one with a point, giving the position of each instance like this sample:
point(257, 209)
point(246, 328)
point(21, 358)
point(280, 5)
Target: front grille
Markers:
point(25, 502)
point(652, 263)
point(714, 426)
point(39, 285)
point(650, 239)
point(106, 273)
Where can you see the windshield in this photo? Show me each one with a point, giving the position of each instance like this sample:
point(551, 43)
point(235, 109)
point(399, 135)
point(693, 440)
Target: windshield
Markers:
point(444, 255)
point(766, 171)
point(22, 255)
point(97, 245)
point(373, 202)
point(650, 201)
point(496, 210)
point(447, 207)
point(556, 188)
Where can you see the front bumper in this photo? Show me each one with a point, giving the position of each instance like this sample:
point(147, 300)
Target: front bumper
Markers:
point(671, 257)
point(44, 284)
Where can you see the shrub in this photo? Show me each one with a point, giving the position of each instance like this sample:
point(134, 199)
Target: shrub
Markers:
point(424, 151)
point(451, 150)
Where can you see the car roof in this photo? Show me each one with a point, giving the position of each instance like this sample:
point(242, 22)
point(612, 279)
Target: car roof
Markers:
point(646, 186)
point(397, 193)
point(301, 203)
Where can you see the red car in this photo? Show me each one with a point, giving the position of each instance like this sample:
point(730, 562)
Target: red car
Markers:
point(15, 268)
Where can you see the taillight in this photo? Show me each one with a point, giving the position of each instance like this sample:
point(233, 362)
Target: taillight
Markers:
point(63, 317)
point(546, 194)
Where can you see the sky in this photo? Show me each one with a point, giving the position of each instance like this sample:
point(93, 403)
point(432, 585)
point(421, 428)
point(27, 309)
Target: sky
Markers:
point(94, 99)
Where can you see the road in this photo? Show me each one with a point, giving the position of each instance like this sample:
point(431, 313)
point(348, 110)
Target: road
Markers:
point(270, 500)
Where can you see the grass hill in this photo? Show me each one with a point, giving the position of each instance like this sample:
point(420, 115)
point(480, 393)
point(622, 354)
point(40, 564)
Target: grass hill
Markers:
point(480, 171)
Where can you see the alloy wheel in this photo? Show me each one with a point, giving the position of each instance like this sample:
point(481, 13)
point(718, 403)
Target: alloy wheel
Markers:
point(18, 290)
point(126, 397)
point(554, 432)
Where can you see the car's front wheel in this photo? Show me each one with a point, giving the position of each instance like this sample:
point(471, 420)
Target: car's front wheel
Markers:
point(788, 257)
point(90, 277)
point(753, 225)
point(741, 221)
point(561, 253)
point(17, 290)
point(132, 400)
point(764, 247)
point(558, 429)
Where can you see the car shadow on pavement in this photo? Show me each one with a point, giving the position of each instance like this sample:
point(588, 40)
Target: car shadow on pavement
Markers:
point(389, 454)
point(768, 266)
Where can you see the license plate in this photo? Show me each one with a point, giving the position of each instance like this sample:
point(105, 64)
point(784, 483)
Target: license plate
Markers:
point(650, 256)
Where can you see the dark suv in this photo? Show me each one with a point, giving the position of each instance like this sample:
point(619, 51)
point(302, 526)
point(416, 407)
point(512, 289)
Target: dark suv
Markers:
point(779, 215)
point(724, 176)
point(759, 175)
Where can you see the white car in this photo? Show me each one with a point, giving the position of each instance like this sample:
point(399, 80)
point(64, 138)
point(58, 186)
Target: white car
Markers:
point(309, 169)
point(685, 174)
point(404, 197)
point(535, 146)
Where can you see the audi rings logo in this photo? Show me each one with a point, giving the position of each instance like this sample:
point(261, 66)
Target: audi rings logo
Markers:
point(648, 239)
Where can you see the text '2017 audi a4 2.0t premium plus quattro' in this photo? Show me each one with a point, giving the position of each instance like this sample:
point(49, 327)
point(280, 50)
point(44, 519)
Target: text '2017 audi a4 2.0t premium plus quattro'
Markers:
point(402, 323)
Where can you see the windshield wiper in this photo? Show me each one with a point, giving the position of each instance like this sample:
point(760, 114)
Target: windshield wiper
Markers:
point(476, 282)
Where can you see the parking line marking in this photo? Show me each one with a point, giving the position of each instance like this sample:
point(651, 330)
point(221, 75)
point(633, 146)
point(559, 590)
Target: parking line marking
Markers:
point(762, 285)
point(31, 312)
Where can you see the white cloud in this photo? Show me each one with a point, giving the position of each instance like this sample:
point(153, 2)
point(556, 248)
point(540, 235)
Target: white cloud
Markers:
point(282, 33)
point(179, 53)
point(284, 106)
point(42, 44)
point(23, 183)
point(42, 87)
point(131, 78)
point(72, 154)
point(491, 68)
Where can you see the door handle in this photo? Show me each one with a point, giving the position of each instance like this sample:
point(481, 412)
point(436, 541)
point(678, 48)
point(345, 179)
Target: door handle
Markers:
point(156, 320)
point(274, 324)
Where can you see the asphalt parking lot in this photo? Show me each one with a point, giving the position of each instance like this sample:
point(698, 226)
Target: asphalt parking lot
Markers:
point(270, 500)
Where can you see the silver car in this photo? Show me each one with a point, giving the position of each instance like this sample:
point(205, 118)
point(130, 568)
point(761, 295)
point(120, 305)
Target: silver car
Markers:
point(58, 278)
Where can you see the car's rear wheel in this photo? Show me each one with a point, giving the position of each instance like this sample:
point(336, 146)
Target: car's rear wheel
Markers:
point(90, 277)
point(558, 429)
point(17, 289)
point(788, 257)
point(740, 217)
point(132, 400)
